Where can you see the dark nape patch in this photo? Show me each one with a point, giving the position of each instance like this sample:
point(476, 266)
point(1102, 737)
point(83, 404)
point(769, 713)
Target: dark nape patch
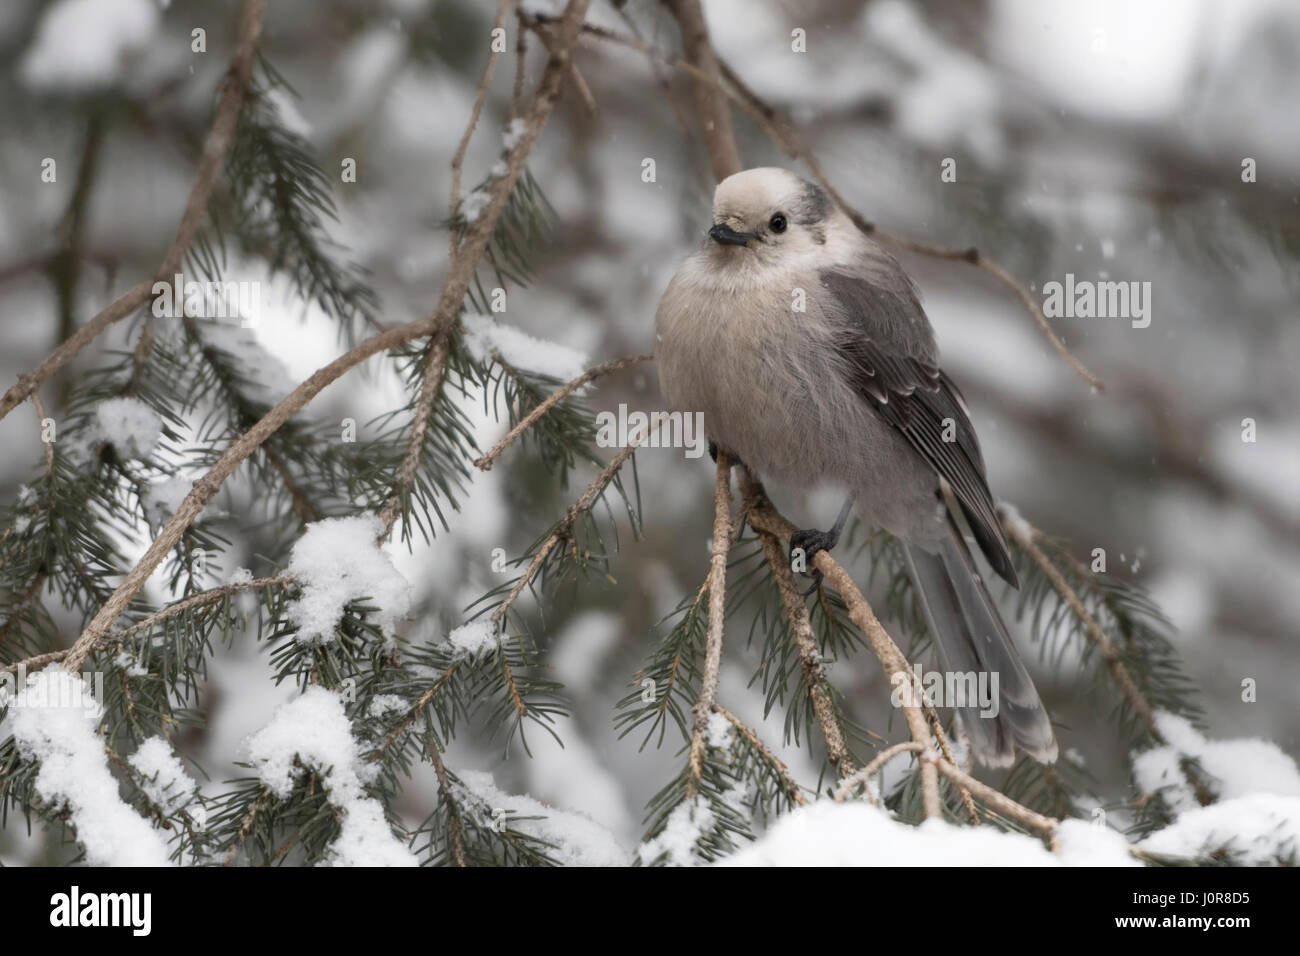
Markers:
point(813, 206)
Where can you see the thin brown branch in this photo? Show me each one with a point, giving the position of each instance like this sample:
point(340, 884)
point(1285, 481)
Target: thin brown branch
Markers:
point(246, 825)
point(215, 148)
point(480, 98)
point(443, 317)
point(936, 728)
point(710, 97)
point(863, 777)
point(997, 800)
point(579, 84)
point(486, 462)
point(717, 612)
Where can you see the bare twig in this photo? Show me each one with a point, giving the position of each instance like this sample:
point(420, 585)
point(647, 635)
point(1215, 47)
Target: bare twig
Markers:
point(579, 84)
point(717, 611)
point(486, 462)
point(438, 323)
point(997, 800)
point(215, 148)
point(458, 160)
point(936, 728)
point(710, 98)
point(863, 777)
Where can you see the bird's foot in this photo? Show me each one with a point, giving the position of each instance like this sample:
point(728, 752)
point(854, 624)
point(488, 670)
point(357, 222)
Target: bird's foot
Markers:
point(804, 546)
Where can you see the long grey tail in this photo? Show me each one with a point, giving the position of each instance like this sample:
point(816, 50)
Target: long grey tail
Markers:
point(971, 638)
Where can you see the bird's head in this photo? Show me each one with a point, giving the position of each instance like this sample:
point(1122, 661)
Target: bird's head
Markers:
point(768, 213)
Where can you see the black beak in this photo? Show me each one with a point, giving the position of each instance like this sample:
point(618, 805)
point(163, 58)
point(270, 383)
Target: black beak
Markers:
point(720, 233)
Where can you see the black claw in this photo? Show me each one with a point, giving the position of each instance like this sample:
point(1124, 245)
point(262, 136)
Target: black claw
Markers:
point(713, 450)
point(812, 541)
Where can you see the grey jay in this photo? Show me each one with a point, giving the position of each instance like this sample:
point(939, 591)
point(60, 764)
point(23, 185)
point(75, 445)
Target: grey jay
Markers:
point(804, 344)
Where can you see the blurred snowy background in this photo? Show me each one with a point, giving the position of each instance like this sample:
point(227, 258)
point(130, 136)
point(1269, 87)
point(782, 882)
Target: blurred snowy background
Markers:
point(1104, 139)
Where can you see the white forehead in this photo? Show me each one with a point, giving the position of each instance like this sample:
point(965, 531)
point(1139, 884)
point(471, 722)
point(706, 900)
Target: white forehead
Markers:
point(754, 191)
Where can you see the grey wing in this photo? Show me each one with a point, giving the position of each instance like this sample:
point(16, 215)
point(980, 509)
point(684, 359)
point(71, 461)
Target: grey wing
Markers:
point(888, 350)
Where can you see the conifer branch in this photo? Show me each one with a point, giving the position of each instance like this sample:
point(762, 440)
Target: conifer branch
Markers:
point(792, 789)
point(439, 323)
point(564, 527)
point(430, 385)
point(454, 828)
point(486, 462)
point(480, 98)
point(710, 97)
point(215, 147)
point(1025, 535)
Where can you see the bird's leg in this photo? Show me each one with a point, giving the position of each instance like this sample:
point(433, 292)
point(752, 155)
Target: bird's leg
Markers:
point(804, 546)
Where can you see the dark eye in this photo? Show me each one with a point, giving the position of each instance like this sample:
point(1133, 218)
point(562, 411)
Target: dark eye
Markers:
point(777, 223)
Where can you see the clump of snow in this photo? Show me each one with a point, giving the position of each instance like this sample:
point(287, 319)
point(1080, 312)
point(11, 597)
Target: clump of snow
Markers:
point(1012, 516)
point(826, 833)
point(129, 425)
point(166, 783)
point(337, 561)
point(469, 639)
point(129, 664)
point(718, 733)
point(314, 730)
point(240, 576)
point(51, 723)
point(514, 133)
point(675, 845)
point(286, 108)
point(163, 498)
point(265, 377)
point(521, 350)
point(472, 206)
point(1257, 830)
point(576, 840)
point(382, 704)
point(82, 45)
point(1240, 767)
